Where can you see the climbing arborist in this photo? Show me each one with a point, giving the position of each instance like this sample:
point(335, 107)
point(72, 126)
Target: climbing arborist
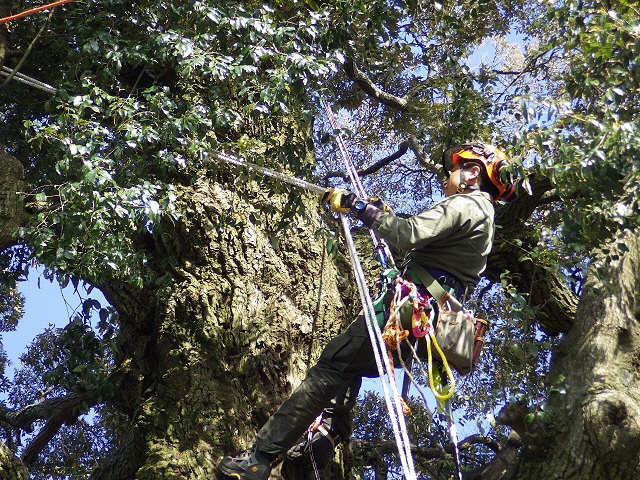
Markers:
point(451, 241)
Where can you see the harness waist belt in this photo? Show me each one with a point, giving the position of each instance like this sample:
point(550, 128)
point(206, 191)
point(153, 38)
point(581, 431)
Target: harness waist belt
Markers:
point(444, 278)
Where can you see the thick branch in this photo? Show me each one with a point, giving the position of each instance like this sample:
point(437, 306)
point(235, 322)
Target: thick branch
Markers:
point(366, 84)
point(56, 412)
point(479, 440)
point(428, 453)
point(410, 143)
point(500, 464)
point(547, 286)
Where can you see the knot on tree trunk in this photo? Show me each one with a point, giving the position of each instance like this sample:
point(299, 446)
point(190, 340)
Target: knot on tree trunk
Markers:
point(612, 425)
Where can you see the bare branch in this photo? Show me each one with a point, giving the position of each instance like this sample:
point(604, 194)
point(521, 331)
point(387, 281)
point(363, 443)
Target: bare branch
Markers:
point(366, 84)
point(410, 143)
point(503, 461)
point(479, 439)
point(56, 412)
point(429, 453)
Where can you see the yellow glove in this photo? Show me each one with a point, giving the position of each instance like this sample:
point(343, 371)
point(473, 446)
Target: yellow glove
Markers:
point(339, 199)
point(378, 203)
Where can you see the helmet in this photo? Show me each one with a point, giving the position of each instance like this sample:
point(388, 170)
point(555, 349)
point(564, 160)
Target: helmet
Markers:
point(490, 159)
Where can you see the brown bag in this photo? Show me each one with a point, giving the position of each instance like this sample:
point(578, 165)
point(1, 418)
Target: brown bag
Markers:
point(459, 336)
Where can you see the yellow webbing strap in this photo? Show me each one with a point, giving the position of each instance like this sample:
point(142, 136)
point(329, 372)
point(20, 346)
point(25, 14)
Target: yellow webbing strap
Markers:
point(445, 365)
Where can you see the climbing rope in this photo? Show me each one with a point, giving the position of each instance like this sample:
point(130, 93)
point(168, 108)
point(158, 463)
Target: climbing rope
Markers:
point(380, 246)
point(34, 10)
point(394, 405)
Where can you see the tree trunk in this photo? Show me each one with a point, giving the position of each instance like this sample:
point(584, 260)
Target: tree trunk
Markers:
point(11, 210)
point(10, 467)
point(206, 360)
point(595, 428)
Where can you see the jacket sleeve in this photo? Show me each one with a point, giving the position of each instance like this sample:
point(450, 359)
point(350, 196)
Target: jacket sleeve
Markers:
point(420, 230)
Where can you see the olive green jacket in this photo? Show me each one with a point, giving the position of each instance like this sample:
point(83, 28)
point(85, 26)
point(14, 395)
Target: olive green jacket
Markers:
point(456, 235)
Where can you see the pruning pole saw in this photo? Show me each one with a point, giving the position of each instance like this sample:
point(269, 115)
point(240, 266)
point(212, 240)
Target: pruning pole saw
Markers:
point(267, 172)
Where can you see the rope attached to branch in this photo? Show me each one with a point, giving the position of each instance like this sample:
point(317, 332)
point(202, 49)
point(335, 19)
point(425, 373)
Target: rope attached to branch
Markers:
point(34, 10)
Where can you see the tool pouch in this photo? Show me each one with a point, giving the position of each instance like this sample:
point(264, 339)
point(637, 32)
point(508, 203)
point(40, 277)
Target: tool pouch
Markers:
point(459, 335)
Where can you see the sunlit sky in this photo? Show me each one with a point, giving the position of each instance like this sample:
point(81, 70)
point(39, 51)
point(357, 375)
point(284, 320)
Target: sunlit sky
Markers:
point(46, 304)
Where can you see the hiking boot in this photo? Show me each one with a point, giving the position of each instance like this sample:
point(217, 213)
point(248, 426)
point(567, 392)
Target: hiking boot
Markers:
point(251, 465)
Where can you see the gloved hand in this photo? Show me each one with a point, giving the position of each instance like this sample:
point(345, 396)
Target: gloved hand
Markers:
point(339, 199)
point(378, 203)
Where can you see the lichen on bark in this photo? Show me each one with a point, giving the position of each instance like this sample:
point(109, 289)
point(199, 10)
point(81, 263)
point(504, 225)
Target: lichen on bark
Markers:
point(236, 331)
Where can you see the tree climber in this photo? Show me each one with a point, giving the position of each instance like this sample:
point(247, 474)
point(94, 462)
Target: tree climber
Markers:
point(451, 241)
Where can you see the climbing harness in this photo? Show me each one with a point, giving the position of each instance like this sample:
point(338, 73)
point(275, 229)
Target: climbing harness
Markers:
point(421, 326)
point(318, 427)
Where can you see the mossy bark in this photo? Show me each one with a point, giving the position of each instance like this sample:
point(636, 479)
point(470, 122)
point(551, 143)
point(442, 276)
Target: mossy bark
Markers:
point(595, 428)
point(206, 360)
point(10, 467)
point(12, 213)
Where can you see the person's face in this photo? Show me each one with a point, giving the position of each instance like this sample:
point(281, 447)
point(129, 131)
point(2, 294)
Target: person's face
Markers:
point(469, 175)
point(450, 185)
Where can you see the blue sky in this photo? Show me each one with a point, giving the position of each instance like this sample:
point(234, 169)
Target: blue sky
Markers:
point(46, 304)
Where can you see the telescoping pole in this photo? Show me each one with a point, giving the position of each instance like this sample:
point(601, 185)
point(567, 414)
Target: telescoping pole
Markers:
point(298, 182)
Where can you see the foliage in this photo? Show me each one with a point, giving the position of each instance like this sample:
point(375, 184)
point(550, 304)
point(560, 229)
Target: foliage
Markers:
point(60, 361)
point(590, 150)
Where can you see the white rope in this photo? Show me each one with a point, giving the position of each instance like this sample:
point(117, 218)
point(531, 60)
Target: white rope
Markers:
point(395, 409)
point(453, 435)
point(356, 182)
point(351, 169)
point(382, 361)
